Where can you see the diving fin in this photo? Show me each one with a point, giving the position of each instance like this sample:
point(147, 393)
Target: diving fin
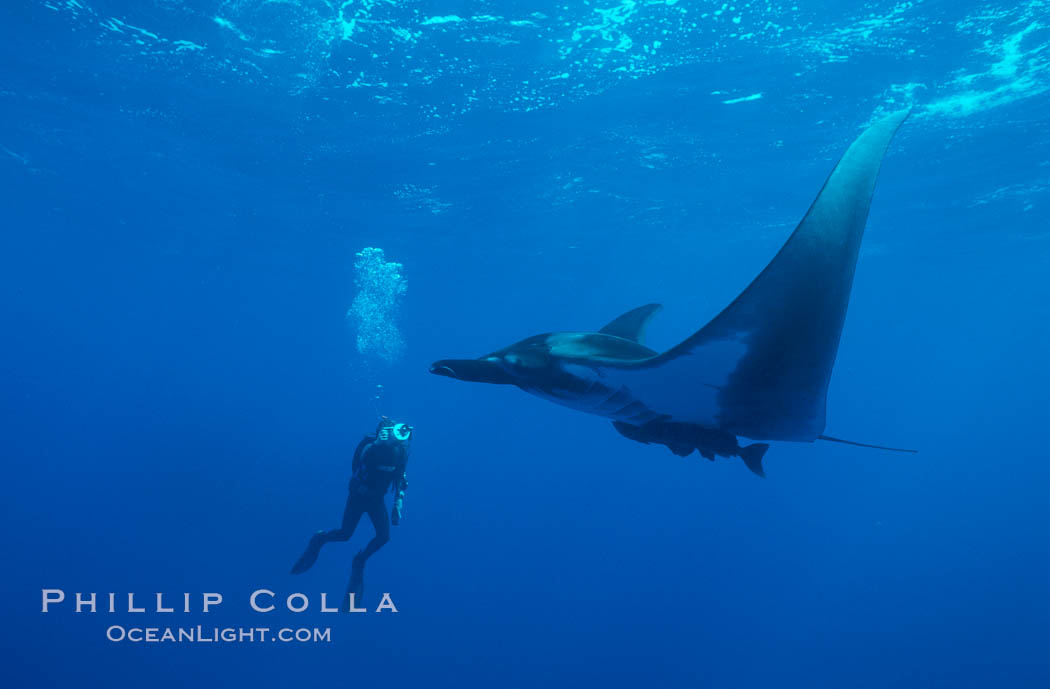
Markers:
point(752, 456)
point(357, 583)
point(309, 556)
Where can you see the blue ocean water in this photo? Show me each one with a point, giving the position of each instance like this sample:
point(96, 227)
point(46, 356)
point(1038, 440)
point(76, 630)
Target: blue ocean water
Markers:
point(186, 186)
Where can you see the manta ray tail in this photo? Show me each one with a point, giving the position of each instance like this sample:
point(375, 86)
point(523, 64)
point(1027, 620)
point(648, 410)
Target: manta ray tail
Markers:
point(874, 447)
point(752, 456)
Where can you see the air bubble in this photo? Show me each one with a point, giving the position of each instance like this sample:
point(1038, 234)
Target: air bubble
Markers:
point(375, 309)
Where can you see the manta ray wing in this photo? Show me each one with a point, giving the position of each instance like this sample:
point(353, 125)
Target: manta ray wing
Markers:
point(761, 367)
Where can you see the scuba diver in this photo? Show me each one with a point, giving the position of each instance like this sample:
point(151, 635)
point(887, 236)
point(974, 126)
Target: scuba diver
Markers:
point(378, 465)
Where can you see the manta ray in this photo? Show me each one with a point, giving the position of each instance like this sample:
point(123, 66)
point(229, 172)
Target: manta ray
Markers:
point(759, 370)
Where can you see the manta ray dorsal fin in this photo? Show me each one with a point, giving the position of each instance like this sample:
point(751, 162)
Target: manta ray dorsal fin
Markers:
point(631, 325)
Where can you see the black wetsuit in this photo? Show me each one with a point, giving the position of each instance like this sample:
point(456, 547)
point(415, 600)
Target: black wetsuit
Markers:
point(377, 467)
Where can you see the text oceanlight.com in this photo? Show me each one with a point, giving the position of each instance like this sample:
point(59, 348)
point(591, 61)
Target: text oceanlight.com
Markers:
point(201, 635)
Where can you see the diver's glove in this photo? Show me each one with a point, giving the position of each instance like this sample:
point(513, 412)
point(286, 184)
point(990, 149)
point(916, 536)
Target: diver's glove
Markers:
point(395, 514)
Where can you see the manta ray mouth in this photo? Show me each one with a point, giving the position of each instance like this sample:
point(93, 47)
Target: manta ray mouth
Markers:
point(472, 370)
